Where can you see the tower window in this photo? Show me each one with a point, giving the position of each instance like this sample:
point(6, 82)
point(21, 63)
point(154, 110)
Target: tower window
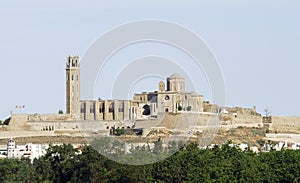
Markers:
point(72, 77)
point(68, 77)
point(82, 109)
point(92, 108)
point(77, 77)
point(111, 108)
point(101, 108)
point(121, 108)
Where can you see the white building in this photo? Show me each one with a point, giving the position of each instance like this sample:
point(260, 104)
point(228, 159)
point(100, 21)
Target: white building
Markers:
point(30, 151)
point(280, 146)
point(296, 146)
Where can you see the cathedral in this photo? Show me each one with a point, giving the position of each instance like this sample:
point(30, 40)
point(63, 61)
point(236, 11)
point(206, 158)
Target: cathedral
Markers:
point(170, 97)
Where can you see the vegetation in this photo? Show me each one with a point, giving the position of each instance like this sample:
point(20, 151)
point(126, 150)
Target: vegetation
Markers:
point(6, 122)
point(189, 108)
point(179, 108)
point(189, 164)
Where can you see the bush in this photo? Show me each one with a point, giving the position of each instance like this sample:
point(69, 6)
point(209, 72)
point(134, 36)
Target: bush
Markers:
point(189, 108)
point(179, 108)
point(6, 122)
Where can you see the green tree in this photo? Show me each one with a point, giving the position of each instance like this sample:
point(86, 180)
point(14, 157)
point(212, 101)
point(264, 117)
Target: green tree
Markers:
point(7, 121)
point(179, 108)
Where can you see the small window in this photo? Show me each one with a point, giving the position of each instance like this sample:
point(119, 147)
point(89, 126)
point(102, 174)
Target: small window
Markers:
point(92, 108)
point(101, 108)
point(111, 108)
point(72, 77)
point(82, 109)
point(167, 97)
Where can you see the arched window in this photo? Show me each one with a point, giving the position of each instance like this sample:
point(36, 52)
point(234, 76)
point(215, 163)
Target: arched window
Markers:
point(92, 108)
point(101, 108)
point(82, 108)
point(146, 111)
point(111, 108)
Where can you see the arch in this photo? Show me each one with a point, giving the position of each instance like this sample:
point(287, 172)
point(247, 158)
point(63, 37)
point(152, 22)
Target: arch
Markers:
point(147, 110)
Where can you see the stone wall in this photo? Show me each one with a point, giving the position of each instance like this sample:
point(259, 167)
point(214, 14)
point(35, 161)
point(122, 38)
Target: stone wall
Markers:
point(243, 111)
point(285, 124)
point(49, 117)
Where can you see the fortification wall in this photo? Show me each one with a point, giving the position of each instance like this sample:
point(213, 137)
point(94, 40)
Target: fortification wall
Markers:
point(79, 125)
point(285, 124)
point(50, 117)
point(186, 120)
point(243, 111)
point(19, 122)
point(19, 118)
point(240, 119)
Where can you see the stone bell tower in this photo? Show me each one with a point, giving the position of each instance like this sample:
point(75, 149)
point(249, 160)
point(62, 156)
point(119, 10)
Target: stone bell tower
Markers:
point(73, 86)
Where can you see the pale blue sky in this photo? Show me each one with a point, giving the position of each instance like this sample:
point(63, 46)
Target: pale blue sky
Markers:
point(256, 43)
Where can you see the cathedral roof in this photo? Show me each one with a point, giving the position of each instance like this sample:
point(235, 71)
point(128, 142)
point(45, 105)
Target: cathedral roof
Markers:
point(175, 76)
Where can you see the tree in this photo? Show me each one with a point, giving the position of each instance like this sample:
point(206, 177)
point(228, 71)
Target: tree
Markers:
point(6, 122)
point(180, 108)
point(267, 112)
point(261, 142)
point(189, 164)
point(60, 111)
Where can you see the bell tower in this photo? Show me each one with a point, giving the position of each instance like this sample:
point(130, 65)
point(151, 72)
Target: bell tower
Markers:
point(161, 86)
point(73, 86)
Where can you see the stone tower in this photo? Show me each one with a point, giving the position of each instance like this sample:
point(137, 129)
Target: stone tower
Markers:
point(175, 83)
point(73, 86)
point(161, 86)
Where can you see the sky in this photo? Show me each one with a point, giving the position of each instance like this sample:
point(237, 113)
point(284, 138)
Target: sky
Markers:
point(256, 44)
